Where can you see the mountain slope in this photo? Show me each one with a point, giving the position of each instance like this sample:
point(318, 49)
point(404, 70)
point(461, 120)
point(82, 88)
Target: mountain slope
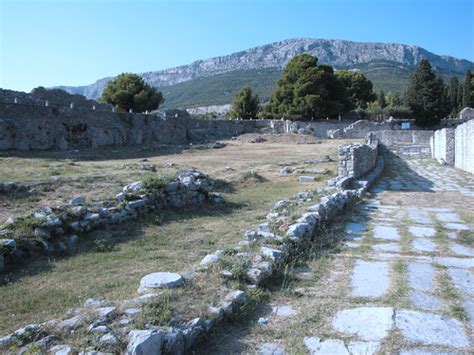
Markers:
point(340, 54)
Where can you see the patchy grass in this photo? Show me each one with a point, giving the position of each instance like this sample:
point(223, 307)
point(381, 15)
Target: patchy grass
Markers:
point(173, 240)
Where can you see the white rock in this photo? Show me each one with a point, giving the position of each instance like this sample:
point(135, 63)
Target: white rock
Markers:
point(160, 280)
point(144, 342)
point(363, 347)
point(209, 259)
point(273, 254)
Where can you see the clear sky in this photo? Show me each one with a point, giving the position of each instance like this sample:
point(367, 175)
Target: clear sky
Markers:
point(75, 42)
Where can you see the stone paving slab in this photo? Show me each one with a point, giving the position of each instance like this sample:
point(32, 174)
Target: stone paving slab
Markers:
point(367, 323)
point(462, 280)
point(431, 329)
point(423, 301)
point(423, 245)
point(386, 233)
point(420, 276)
point(370, 279)
point(420, 232)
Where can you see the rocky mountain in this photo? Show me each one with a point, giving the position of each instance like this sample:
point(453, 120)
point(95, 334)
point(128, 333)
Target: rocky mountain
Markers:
point(339, 53)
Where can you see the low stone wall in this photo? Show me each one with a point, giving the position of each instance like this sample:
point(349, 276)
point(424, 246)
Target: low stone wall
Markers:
point(464, 143)
point(52, 230)
point(356, 160)
point(442, 145)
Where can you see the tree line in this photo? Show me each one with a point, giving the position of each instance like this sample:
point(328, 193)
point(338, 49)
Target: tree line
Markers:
point(308, 90)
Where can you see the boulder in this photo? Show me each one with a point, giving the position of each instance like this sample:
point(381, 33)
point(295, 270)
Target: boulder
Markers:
point(77, 201)
point(467, 113)
point(144, 342)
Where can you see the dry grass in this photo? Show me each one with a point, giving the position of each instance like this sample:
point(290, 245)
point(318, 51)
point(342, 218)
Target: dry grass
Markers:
point(173, 240)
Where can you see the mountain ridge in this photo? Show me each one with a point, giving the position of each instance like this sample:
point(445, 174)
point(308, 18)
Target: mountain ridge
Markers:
point(338, 53)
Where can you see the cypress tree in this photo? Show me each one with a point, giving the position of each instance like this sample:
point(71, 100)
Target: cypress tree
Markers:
point(468, 90)
point(426, 95)
point(381, 99)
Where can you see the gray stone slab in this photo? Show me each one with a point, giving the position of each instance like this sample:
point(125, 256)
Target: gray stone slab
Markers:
point(390, 247)
point(283, 311)
point(457, 226)
point(355, 228)
point(455, 262)
point(352, 245)
point(421, 351)
point(462, 280)
point(370, 279)
point(419, 216)
point(367, 323)
point(431, 329)
point(386, 233)
point(462, 250)
point(317, 346)
point(420, 231)
point(363, 347)
point(437, 209)
point(423, 245)
point(424, 301)
point(420, 276)
point(271, 349)
point(448, 217)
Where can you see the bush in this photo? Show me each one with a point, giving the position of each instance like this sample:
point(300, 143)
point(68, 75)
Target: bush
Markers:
point(152, 182)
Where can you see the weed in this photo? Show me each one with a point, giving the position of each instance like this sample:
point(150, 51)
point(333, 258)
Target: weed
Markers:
point(156, 312)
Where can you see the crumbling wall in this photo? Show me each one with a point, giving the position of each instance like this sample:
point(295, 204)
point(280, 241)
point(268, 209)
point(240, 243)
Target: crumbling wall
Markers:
point(27, 127)
point(464, 143)
point(356, 160)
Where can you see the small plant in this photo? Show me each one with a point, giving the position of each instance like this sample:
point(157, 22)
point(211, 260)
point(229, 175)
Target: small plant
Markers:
point(102, 245)
point(156, 312)
point(152, 182)
point(237, 266)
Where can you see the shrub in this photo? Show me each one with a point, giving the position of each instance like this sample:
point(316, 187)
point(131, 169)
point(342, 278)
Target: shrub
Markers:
point(152, 182)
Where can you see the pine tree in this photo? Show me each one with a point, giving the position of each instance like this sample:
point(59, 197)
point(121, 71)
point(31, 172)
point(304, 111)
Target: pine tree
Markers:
point(307, 90)
point(426, 95)
point(468, 90)
point(130, 92)
point(381, 99)
point(454, 96)
point(245, 105)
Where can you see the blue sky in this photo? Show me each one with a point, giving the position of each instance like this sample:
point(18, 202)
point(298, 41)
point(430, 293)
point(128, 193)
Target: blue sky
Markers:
point(75, 42)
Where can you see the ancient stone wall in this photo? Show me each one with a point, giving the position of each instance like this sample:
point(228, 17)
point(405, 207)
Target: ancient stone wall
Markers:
point(356, 160)
point(464, 151)
point(442, 145)
point(25, 127)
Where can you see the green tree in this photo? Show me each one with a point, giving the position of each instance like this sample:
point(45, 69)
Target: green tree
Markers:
point(307, 89)
point(381, 99)
point(129, 91)
point(454, 92)
point(425, 95)
point(245, 105)
point(468, 90)
point(393, 99)
point(359, 88)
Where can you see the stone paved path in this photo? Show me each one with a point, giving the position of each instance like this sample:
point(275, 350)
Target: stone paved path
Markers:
point(403, 282)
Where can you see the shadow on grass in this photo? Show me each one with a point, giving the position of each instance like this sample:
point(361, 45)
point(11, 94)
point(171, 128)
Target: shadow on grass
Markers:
point(103, 153)
point(107, 239)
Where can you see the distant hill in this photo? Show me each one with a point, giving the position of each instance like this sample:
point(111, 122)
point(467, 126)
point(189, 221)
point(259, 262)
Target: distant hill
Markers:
point(215, 80)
